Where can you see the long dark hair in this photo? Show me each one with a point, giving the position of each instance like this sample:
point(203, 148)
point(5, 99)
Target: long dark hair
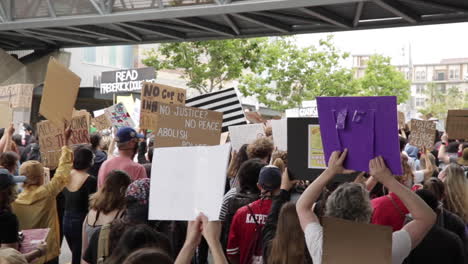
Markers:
point(248, 175)
point(7, 196)
point(237, 162)
point(112, 195)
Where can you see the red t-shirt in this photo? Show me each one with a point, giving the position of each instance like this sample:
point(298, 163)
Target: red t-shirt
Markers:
point(243, 230)
point(389, 213)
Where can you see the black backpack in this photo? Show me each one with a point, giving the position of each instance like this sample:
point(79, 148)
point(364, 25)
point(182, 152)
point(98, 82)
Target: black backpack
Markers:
point(238, 201)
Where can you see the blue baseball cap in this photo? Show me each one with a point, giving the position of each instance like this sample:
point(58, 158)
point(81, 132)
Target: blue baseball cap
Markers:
point(125, 134)
point(6, 179)
point(270, 178)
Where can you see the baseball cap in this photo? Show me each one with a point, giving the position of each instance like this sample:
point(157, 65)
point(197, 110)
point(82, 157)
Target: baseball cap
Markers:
point(270, 178)
point(6, 179)
point(126, 134)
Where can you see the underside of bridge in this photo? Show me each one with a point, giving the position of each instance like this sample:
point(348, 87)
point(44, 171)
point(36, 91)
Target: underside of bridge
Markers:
point(52, 24)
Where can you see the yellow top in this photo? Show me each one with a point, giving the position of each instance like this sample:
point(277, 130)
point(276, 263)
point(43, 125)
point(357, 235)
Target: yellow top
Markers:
point(36, 206)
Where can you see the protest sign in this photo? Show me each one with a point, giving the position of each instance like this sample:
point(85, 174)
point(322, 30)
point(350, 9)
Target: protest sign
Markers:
point(304, 148)
point(59, 95)
point(7, 115)
point(185, 126)
point(127, 101)
point(364, 243)
point(401, 120)
point(102, 122)
point(280, 133)
point(224, 138)
point(150, 96)
point(245, 134)
point(196, 173)
point(119, 116)
point(457, 124)
point(126, 80)
point(18, 95)
point(225, 101)
point(422, 134)
point(32, 238)
point(366, 126)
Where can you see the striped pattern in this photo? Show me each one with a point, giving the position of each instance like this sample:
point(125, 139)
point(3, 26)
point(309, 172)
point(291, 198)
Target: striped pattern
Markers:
point(225, 101)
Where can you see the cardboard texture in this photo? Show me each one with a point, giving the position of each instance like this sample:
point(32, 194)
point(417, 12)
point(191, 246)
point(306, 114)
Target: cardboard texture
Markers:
point(32, 238)
point(245, 134)
point(457, 124)
point(362, 243)
point(366, 126)
point(299, 148)
point(102, 122)
point(119, 116)
point(153, 93)
point(199, 191)
point(280, 133)
point(51, 138)
point(6, 115)
point(187, 126)
point(18, 95)
point(59, 95)
point(401, 120)
point(422, 134)
point(126, 80)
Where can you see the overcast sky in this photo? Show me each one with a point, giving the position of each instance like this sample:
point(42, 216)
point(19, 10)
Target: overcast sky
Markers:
point(429, 44)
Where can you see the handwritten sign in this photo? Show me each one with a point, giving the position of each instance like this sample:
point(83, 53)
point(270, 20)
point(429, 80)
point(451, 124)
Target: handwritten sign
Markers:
point(422, 133)
point(18, 95)
point(245, 134)
point(119, 116)
point(457, 124)
point(401, 120)
point(102, 122)
point(187, 126)
point(152, 94)
point(7, 115)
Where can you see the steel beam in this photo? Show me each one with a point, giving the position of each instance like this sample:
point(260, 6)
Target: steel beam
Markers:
point(59, 38)
point(444, 6)
point(166, 13)
point(51, 9)
point(327, 16)
point(129, 32)
point(41, 38)
point(97, 7)
point(206, 25)
point(107, 33)
point(165, 32)
point(232, 24)
point(265, 22)
point(66, 31)
point(399, 10)
point(300, 19)
point(358, 13)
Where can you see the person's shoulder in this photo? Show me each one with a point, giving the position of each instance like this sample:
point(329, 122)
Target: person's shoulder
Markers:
point(91, 179)
point(452, 219)
point(7, 217)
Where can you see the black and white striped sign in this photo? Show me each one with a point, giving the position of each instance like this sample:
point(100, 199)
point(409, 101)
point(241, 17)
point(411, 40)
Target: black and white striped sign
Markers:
point(225, 101)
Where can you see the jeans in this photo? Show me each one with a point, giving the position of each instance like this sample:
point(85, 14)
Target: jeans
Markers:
point(72, 229)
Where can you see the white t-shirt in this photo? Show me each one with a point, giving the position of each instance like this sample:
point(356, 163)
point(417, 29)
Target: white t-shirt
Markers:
point(401, 243)
point(418, 176)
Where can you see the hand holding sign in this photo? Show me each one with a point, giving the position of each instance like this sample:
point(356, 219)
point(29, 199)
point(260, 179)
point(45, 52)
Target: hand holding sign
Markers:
point(379, 170)
point(336, 161)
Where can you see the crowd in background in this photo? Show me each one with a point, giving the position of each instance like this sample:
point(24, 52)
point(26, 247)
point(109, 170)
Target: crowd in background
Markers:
point(97, 199)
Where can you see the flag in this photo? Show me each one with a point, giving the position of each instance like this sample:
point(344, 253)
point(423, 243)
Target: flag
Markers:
point(225, 101)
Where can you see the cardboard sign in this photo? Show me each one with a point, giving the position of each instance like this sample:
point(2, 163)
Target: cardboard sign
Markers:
point(363, 243)
point(366, 126)
point(6, 115)
point(32, 238)
point(102, 122)
point(280, 133)
point(18, 95)
point(126, 80)
point(224, 138)
point(186, 126)
point(119, 116)
point(401, 120)
point(245, 134)
point(196, 173)
point(422, 134)
point(457, 124)
point(60, 91)
point(153, 93)
point(51, 138)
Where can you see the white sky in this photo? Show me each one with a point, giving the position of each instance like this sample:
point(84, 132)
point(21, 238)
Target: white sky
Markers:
point(429, 44)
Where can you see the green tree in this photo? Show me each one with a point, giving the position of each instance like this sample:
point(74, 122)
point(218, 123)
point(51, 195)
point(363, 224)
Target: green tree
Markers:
point(208, 65)
point(383, 79)
point(437, 102)
point(291, 74)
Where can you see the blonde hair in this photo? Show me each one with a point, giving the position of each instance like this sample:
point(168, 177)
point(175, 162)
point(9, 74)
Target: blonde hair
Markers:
point(456, 191)
point(34, 172)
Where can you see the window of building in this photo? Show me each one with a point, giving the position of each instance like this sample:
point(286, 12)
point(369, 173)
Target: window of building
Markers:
point(423, 75)
point(456, 74)
point(418, 75)
point(419, 88)
point(115, 56)
point(420, 102)
point(442, 88)
point(440, 76)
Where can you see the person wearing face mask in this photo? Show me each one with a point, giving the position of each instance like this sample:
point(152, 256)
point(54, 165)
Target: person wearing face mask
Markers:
point(127, 143)
point(76, 193)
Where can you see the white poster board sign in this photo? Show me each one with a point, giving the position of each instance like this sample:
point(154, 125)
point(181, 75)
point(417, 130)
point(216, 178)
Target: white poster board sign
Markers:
point(187, 181)
point(280, 133)
point(245, 134)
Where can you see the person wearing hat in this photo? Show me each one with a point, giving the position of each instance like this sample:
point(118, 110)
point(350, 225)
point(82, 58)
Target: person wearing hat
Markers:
point(36, 206)
point(127, 143)
point(244, 242)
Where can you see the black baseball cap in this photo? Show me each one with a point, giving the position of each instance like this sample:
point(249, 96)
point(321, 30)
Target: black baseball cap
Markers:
point(270, 178)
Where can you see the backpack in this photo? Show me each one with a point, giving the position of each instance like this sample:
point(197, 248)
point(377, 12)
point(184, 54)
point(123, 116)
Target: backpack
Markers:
point(238, 201)
point(103, 243)
point(254, 251)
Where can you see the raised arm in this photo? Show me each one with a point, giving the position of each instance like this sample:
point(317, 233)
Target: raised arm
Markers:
point(305, 203)
point(194, 234)
point(212, 234)
point(9, 138)
point(424, 217)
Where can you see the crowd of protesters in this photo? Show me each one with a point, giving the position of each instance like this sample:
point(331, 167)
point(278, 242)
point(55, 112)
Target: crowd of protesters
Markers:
point(97, 199)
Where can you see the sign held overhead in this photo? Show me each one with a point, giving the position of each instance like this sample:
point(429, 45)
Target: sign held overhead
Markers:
point(126, 80)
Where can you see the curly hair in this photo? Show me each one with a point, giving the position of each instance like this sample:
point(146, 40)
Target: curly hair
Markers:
point(261, 148)
point(351, 202)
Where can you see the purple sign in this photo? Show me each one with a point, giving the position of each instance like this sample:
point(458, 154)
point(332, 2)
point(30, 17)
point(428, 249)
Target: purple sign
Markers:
point(367, 126)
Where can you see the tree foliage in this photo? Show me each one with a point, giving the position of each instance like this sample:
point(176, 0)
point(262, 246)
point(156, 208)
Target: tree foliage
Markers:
point(208, 65)
point(438, 101)
point(383, 79)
